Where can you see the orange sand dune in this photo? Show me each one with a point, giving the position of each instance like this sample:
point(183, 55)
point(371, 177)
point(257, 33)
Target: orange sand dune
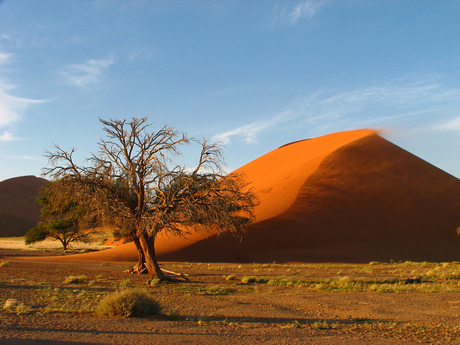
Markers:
point(344, 197)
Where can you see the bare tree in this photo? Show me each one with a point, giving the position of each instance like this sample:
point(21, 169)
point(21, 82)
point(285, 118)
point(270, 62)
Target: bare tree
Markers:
point(137, 186)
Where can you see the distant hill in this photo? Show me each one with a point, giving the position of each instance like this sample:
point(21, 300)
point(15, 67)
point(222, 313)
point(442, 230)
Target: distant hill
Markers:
point(19, 209)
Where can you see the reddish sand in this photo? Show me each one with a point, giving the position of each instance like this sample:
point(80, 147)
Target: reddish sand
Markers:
point(344, 197)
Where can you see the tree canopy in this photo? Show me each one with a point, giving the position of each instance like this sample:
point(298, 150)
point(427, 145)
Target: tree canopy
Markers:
point(66, 215)
point(137, 187)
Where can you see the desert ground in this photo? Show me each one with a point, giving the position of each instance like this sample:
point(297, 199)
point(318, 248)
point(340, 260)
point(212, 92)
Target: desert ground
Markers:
point(328, 303)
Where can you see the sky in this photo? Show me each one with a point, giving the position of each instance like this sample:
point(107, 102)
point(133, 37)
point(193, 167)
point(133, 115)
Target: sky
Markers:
point(253, 75)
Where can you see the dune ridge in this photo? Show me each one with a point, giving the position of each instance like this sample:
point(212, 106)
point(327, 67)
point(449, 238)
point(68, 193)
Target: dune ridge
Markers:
point(345, 197)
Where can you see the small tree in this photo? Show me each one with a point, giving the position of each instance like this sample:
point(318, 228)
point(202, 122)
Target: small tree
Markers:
point(66, 215)
point(137, 186)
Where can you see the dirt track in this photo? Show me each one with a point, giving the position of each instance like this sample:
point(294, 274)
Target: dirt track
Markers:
point(213, 310)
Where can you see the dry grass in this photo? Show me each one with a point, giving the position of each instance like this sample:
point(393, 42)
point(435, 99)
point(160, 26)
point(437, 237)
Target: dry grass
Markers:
point(128, 302)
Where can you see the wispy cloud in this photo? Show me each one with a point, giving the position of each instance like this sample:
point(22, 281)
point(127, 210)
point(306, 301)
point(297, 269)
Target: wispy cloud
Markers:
point(405, 97)
point(306, 9)
point(5, 58)
point(288, 14)
point(143, 53)
point(249, 132)
point(6, 136)
point(11, 106)
point(25, 157)
point(409, 99)
point(10, 109)
point(86, 74)
point(450, 125)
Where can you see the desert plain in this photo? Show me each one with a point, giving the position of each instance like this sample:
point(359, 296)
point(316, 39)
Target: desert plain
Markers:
point(353, 242)
point(224, 303)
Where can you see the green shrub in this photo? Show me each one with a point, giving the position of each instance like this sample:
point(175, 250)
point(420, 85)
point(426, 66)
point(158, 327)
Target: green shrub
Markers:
point(4, 264)
point(128, 302)
point(76, 279)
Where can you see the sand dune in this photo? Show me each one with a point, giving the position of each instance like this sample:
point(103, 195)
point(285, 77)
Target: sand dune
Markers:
point(345, 197)
point(19, 209)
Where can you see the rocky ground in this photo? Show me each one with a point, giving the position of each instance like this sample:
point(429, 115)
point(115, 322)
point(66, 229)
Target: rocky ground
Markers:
point(378, 303)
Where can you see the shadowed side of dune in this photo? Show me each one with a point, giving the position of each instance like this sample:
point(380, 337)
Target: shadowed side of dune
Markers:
point(368, 200)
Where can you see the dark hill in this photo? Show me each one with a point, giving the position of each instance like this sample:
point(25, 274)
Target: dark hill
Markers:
point(19, 209)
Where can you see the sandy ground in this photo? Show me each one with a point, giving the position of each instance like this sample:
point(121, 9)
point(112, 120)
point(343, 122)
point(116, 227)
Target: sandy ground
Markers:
point(209, 309)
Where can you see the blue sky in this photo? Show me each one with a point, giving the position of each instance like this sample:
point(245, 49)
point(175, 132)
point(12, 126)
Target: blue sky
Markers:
point(252, 74)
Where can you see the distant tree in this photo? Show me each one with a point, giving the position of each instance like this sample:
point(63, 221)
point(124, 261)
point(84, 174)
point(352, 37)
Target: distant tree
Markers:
point(139, 189)
point(66, 215)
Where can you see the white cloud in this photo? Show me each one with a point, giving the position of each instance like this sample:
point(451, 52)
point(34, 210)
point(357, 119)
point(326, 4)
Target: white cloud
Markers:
point(307, 8)
point(5, 58)
point(86, 74)
point(6, 136)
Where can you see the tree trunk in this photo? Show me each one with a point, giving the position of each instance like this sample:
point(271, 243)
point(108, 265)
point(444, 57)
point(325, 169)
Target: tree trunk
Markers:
point(140, 266)
point(148, 246)
point(64, 244)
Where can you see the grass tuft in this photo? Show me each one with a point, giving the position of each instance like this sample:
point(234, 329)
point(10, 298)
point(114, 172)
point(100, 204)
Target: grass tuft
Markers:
point(128, 302)
point(253, 280)
point(217, 290)
point(76, 279)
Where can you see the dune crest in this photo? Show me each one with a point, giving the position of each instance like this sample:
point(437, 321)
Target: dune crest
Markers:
point(345, 197)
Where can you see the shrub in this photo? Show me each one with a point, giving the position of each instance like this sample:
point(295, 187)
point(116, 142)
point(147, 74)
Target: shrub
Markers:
point(4, 264)
point(218, 290)
point(128, 302)
point(75, 279)
point(249, 280)
point(124, 283)
point(253, 280)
